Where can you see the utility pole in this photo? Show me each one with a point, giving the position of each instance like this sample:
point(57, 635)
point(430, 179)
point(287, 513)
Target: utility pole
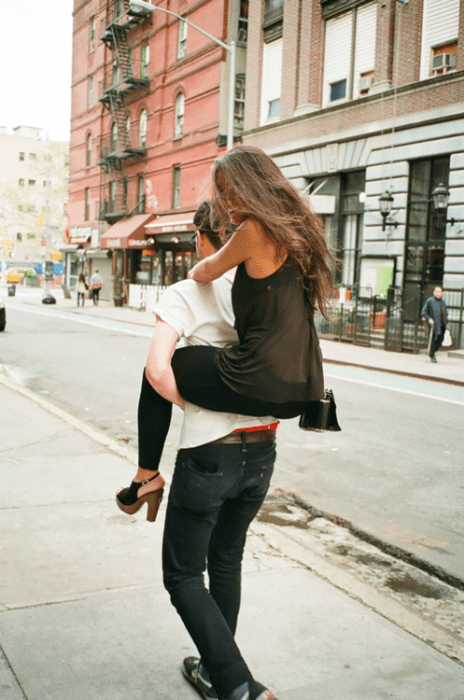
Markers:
point(47, 297)
point(3, 238)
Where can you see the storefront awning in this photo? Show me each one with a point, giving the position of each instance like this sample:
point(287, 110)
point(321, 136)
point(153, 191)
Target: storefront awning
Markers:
point(171, 223)
point(126, 233)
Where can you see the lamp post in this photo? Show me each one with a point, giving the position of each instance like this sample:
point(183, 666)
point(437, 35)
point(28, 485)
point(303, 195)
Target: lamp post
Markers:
point(140, 5)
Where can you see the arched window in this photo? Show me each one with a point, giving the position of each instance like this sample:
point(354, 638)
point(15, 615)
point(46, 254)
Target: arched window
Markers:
point(128, 128)
point(143, 128)
point(114, 137)
point(88, 151)
point(179, 124)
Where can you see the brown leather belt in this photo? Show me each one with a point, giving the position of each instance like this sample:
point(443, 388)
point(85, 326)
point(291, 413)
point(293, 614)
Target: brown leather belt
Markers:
point(235, 438)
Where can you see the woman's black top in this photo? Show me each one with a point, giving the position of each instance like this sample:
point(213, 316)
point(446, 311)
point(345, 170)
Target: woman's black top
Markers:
point(278, 357)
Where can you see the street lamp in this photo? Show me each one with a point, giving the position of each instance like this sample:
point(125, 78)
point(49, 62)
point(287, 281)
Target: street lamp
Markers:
point(385, 206)
point(139, 6)
point(440, 196)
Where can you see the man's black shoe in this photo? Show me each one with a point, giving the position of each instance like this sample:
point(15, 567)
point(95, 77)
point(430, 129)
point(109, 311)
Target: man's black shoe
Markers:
point(198, 676)
point(433, 358)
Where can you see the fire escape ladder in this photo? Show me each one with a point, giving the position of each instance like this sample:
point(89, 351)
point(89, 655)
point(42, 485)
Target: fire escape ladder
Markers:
point(121, 50)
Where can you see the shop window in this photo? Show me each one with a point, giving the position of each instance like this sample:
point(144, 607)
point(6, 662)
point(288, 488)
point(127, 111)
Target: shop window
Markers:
point(182, 40)
point(239, 104)
point(176, 187)
point(88, 156)
point(179, 116)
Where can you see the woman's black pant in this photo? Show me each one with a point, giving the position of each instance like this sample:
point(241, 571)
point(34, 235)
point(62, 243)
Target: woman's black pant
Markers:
point(199, 383)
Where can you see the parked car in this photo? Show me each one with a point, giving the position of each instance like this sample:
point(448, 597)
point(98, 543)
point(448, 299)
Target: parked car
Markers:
point(2, 316)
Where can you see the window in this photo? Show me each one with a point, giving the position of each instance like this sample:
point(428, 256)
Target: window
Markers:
point(124, 193)
point(182, 40)
point(426, 231)
point(145, 61)
point(272, 81)
point(128, 129)
point(112, 206)
point(19, 237)
point(21, 182)
point(21, 155)
point(91, 34)
point(350, 234)
point(87, 204)
point(88, 154)
point(243, 23)
point(140, 194)
point(143, 129)
point(44, 184)
point(31, 236)
point(90, 91)
point(179, 118)
point(338, 90)
point(176, 187)
point(349, 59)
point(31, 183)
point(32, 156)
point(239, 104)
point(114, 137)
point(440, 28)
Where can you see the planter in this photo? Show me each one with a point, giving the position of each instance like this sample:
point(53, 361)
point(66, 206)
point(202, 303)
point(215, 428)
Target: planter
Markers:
point(118, 302)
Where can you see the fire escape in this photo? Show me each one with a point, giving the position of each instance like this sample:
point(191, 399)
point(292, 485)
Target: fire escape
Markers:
point(119, 84)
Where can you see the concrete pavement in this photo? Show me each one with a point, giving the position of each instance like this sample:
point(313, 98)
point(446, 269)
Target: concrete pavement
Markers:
point(449, 368)
point(83, 614)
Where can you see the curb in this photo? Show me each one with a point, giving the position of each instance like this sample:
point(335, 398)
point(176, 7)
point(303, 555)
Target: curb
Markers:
point(413, 375)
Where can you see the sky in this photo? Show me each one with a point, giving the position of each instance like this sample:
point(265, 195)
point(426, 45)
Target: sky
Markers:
point(35, 66)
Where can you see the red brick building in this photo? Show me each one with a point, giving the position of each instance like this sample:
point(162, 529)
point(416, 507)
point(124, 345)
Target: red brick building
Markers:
point(149, 116)
point(358, 98)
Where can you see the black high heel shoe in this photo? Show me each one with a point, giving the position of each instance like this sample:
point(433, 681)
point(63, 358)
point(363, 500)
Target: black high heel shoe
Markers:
point(127, 499)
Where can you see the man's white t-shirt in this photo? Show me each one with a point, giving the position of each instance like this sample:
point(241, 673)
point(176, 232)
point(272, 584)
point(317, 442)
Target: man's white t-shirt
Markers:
point(201, 314)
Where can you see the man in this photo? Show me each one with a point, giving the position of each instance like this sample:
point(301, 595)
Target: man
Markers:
point(222, 474)
point(435, 313)
point(95, 286)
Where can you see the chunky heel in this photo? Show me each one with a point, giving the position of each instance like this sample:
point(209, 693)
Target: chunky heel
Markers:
point(127, 499)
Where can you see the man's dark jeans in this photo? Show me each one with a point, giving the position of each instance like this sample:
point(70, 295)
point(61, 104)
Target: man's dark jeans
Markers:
point(437, 340)
point(216, 492)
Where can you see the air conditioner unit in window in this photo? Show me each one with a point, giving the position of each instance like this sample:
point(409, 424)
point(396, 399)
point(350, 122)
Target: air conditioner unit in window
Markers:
point(444, 60)
point(365, 82)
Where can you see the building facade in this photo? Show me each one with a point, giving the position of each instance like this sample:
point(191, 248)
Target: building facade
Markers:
point(23, 193)
point(149, 116)
point(360, 102)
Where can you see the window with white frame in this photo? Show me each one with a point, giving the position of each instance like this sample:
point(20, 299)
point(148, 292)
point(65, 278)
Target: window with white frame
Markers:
point(272, 81)
point(179, 114)
point(128, 130)
point(349, 59)
point(243, 23)
point(145, 61)
point(239, 103)
point(140, 194)
point(143, 128)
point(87, 204)
point(176, 187)
point(182, 40)
point(114, 137)
point(440, 28)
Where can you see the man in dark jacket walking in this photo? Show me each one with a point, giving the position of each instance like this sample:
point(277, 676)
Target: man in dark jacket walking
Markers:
point(435, 313)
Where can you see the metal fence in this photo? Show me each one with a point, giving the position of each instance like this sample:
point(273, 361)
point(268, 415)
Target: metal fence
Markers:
point(385, 321)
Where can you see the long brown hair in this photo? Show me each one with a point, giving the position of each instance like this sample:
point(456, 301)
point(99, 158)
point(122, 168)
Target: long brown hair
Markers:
point(267, 196)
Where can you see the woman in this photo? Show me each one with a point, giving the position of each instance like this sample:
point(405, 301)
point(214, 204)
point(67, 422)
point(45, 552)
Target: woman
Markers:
point(283, 275)
point(82, 287)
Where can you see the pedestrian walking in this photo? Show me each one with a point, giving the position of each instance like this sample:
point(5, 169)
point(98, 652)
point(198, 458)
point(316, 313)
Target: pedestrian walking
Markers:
point(435, 313)
point(283, 275)
point(223, 470)
point(82, 288)
point(95, 286)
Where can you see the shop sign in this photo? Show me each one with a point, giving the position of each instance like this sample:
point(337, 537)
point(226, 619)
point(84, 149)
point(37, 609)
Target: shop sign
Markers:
point(178, 227)
point(114, 242)
point(79, 235)
point(148, 251)
point(134, 243)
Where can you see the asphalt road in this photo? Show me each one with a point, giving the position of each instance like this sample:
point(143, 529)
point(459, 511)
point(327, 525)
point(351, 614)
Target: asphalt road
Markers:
point(395, 469)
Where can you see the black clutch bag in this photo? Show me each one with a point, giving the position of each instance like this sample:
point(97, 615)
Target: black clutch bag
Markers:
point(320, 415)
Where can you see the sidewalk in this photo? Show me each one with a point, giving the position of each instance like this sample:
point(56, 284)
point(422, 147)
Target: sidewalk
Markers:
point(448, 368)
point(84, 615)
